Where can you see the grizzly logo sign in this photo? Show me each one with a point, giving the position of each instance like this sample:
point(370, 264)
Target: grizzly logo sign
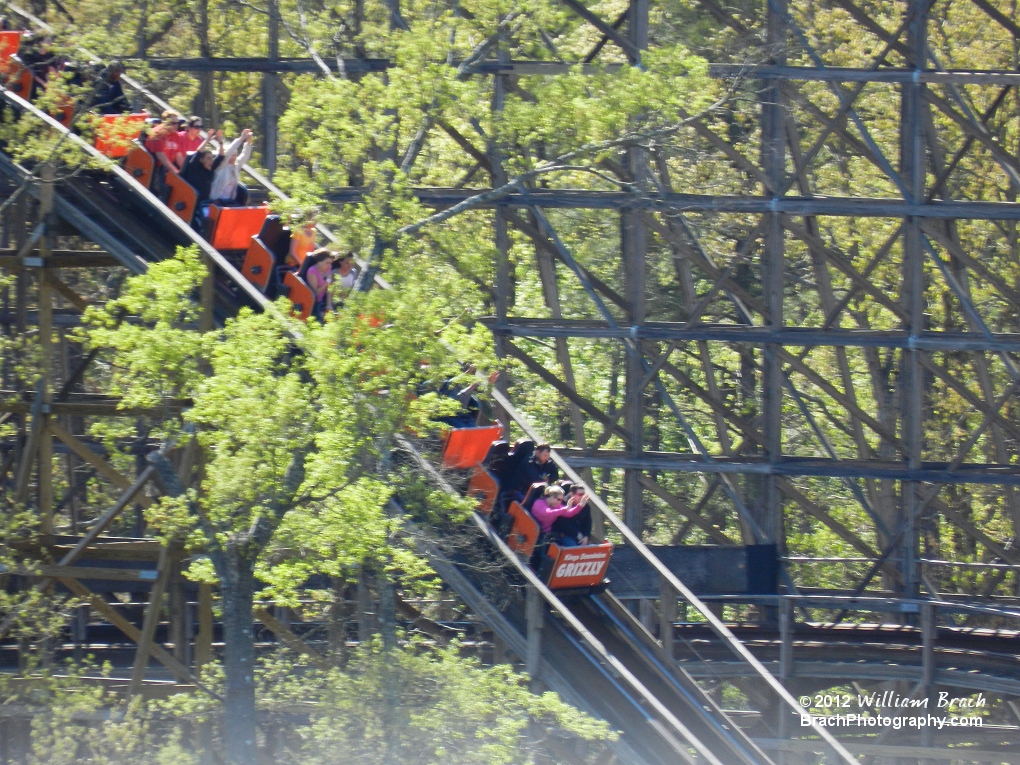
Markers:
point(580, 566)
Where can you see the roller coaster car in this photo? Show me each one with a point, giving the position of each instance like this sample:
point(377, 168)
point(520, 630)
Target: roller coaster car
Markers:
point(17, 77)
point(183, 197)
point(577, 568)
point(258, 264)
point(116, 132)
point(65, 115)
point(140, 165)
point(275, 237)
point(233, 227)
point(464, 448)
point(525, 530)
point(300, 294)
point(9, 44)
point(484, 488)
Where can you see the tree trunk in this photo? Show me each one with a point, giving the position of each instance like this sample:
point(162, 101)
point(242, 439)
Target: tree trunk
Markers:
point(238, 588)
point(206, 106)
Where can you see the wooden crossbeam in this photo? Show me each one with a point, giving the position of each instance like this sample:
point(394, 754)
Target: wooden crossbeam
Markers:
point(50, 571)
point(695, 518)
point(76, 552)
point(572, 395)
point(971, 398)
point(204, 638)
point(1007, 23)
point(697, 258)
point(28, 454)
point(939, 234)
point(86, 409)
point(289, 639)
point(65, 291)
point(617, 23)
point(837, 259)
point(61, 259)
point(540, 240)
point(608, 30)
point(102, 467)
point(462, 141)
point(111, 615)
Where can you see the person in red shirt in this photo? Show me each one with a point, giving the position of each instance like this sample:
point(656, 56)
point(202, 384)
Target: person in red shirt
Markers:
point(189, 139)
point(162, 143)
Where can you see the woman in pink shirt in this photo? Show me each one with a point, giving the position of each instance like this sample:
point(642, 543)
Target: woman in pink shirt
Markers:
point(318, 271)
point(550, 506)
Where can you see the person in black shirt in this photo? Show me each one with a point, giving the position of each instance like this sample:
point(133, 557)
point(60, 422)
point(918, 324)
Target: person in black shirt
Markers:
point(539, 468)
point(199, 169)
point(109, 97)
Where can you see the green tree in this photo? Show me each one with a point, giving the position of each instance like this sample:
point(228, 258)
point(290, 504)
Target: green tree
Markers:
point(291, 419)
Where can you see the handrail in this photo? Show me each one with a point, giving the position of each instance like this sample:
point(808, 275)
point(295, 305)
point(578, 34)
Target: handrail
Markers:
point(714, 621)
point(870, 603)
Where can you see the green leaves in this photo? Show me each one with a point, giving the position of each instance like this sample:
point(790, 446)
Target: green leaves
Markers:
point(158, 353)
point(258, 403)
point(432, 708)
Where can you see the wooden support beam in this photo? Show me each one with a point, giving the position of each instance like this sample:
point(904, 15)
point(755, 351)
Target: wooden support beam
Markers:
point(601, 43)
point(464, 142)
point(656, 489)
point(534, 610)
point(87, 409)
point(10, 260)
point(290, 640)
point(366, 620)
point(420, 621)
point(45, 342)
point(667, 615)
point(816, 511)
point(837, 259)
point(928, 634)
point(151, 620)
point(714, 272)
point(785, 639)
point(971, 398)
point(113, 617)
point(61, 288)
point(29, 452)
point(1007, 23)
point(590, 409)
point(627, 46)
point(51, 571)
point(533, 233)
point(102, 467)
point(75, 553)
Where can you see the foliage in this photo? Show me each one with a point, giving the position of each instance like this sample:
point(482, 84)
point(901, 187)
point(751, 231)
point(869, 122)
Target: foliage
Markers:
point(443, 707)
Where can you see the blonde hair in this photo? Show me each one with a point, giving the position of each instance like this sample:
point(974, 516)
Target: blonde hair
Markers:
point(553, 491)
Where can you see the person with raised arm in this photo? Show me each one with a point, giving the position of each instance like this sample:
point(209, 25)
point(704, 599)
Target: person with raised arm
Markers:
point(227, 189)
